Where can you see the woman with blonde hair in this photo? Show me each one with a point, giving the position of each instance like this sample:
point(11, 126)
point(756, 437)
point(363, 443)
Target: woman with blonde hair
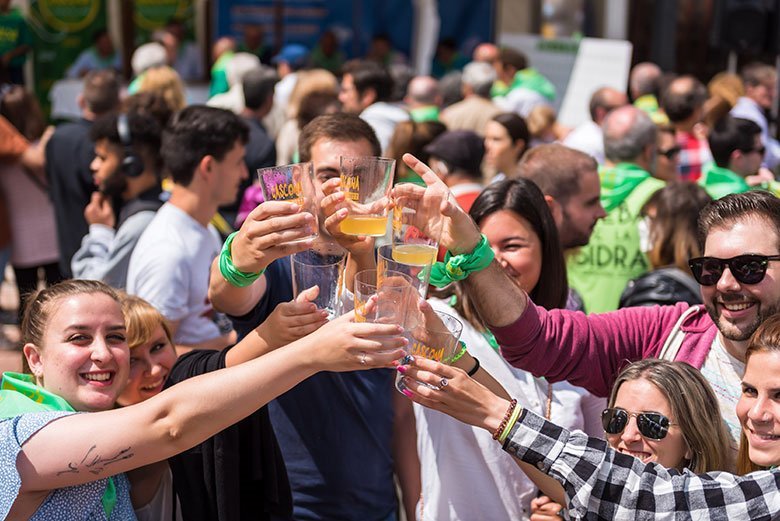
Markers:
point(165, 81)
point(668, 235)
point(57, 464)
point(309, 81)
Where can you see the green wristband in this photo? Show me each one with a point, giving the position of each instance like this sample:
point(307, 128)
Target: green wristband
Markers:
point(459, 354)
point(458, 267)
point(229, 271)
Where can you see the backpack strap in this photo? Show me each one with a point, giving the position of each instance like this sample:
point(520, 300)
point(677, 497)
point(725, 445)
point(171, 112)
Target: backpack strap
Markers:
point(676, 336)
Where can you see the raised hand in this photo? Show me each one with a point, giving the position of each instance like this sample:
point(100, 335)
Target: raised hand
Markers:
point(334, 211)
point(345, 345)
point(99, 211)
point(461, 397)
point(293, 320)
point(266, 234)
point(459, 234)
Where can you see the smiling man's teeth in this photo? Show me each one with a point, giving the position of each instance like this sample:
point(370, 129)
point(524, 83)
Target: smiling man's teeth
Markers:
point(97, 377)
point(640, 455)
point(737, 307)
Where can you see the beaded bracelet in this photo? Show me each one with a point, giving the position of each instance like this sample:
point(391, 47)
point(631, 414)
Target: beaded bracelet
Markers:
point(503, 423)
point(474, 369)
point(510, 424)
point(229, 271)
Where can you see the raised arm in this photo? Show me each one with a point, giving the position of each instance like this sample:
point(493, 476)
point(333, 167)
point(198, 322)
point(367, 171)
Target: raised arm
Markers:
point(97, 445)
point(263, 238)
point(499, 301)
point(597, 479)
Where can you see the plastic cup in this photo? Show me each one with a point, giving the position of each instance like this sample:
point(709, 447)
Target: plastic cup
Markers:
point(366, 182)
point(434, 337)
point(389, 300)
point(417, 227)
point(420, 274)
point(323, 269)
point(294, 183)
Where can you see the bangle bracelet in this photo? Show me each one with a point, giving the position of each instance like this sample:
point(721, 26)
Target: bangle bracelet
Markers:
point(503, 423)
point(229, 271)
point(474, 369)
point(460, 353)
point(510, 424)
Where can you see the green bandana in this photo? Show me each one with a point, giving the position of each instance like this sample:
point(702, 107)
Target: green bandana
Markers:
point(423, 114)
point(617, 183)
point(20, 395)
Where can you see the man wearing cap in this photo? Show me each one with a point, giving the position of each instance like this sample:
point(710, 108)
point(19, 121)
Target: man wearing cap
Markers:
point(288, 62)
point(456, 157)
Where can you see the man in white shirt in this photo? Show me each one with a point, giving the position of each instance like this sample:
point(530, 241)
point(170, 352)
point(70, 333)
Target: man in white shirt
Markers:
point(203, 149)
point(588, 137)
point(760, 87)
point(365, 90)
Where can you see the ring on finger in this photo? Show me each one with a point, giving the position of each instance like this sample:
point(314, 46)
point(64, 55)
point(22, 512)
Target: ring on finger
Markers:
point(363, 358)
point(444, 382)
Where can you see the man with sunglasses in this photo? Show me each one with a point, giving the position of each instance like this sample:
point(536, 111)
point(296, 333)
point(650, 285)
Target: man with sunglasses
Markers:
point(737, 152)
point(740, 278)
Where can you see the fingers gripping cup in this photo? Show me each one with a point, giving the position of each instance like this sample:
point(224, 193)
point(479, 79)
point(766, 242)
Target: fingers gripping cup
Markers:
point(323, 269)
point(366, 182)
point(434, 337)
point(417, 227)
point(386, 300)
point(294, 183)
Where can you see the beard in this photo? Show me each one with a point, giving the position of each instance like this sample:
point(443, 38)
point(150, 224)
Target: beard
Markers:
point(570, 236)
point(114, 185)
point(740, 333)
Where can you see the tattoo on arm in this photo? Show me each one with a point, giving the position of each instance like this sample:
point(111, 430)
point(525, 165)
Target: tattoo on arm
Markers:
point(95, 463)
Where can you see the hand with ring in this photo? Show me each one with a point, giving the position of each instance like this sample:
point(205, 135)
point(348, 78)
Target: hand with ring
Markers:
point(452, 392)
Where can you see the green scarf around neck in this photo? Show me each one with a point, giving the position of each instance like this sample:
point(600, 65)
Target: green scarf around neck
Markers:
point(20, 395)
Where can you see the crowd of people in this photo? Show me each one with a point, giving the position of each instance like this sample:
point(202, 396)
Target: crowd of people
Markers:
point(616, 283)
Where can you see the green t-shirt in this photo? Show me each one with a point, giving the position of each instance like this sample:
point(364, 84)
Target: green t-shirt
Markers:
point(600, 270)
point(14, 33)
point(719, 182)
point(219, 82)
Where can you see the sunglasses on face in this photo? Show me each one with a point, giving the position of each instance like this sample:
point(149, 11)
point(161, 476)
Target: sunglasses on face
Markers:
point(670, 153)
point(759, 150)
point(651, 425)
point(747, 269)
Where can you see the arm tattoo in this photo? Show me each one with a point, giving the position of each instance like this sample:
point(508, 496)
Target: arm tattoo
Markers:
point(95, 463)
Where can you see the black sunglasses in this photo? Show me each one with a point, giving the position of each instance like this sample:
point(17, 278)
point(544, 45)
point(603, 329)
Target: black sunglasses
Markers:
point(760, 150)
point(747, 269)
point(669, 153)
point(651, 425)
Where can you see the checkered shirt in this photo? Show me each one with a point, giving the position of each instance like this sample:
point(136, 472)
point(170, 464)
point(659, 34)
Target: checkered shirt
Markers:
point(694, 154)
point(603, 484)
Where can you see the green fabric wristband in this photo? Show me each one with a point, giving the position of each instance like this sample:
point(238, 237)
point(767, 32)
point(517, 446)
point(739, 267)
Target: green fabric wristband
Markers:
point(458, 267)
point(229, 271)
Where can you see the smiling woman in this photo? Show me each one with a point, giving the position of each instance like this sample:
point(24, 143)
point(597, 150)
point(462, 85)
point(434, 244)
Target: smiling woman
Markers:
point(75, 344)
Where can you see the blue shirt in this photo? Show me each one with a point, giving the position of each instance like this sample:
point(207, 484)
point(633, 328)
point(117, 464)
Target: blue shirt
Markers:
point(334, 429)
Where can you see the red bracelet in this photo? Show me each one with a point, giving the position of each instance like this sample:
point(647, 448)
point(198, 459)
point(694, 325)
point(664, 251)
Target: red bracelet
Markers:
point(508, 414)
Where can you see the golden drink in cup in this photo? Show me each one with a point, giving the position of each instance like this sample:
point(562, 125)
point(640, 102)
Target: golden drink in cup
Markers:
point(366, 183)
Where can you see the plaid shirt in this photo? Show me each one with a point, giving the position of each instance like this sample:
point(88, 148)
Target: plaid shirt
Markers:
point(603, 484)
point(694, 154)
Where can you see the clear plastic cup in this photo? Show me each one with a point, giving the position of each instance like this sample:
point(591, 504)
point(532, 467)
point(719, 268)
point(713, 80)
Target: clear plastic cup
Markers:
point(366, 183)
point(294, 183)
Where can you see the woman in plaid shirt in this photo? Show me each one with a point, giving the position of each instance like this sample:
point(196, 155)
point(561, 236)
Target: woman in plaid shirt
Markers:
point(602, 483)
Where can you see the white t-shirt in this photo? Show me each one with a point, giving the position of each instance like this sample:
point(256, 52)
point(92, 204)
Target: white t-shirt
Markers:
point(589, 138)
point(170, 268)
point(724, 373)
point(465, 473)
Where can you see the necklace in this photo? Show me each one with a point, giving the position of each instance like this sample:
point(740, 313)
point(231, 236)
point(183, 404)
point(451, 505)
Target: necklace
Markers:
point(548, 409)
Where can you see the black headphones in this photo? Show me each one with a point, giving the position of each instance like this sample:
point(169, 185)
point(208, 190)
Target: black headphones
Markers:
point(132, 165)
